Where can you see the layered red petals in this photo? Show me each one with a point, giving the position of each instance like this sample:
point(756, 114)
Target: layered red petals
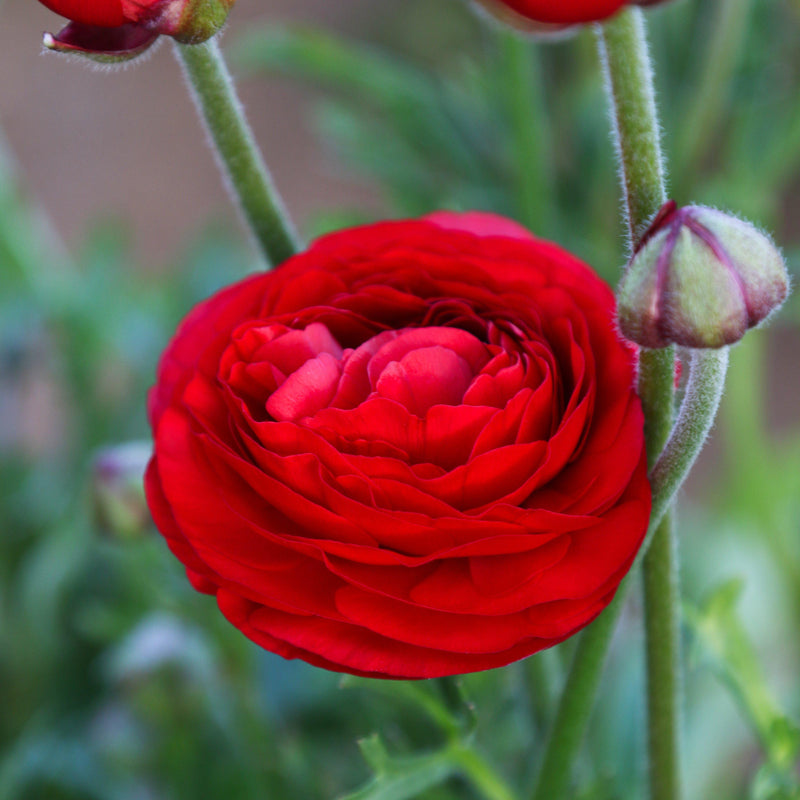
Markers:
point(413, 450)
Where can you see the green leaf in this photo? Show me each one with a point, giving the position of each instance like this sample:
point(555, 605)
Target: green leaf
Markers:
point(723, 644)
point(401, 778)
point(417, 695)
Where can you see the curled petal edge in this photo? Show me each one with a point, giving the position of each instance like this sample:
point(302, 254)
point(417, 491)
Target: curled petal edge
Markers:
point(102, 45)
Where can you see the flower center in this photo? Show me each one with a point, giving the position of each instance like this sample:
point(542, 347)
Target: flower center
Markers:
point(296, 373)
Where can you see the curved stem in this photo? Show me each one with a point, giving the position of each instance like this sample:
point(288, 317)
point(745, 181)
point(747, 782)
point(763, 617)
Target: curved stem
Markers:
point(233, 143)
point(698, 411)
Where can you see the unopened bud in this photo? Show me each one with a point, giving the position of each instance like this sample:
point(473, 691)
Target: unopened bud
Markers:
point(117, 489)
point(699, 278)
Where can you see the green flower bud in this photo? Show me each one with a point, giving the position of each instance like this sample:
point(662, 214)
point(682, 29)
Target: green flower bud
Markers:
point(699, 278)
point(117, 489)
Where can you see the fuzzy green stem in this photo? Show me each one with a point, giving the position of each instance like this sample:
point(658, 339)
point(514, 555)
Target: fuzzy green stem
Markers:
point(629, 83)
point(661, 598)
point(233, 143)
point(698, 411)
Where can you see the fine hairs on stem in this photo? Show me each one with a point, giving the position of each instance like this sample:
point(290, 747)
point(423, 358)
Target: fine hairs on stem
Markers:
point(233, 144)
point(698, 410)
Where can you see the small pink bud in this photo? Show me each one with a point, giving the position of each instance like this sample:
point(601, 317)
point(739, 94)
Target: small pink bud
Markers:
point(699, 278)
point(112, 31)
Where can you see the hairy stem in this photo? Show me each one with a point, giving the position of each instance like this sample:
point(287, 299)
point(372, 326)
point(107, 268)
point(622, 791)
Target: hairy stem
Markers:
point(698, 411)
point(233, 143)
point(629, 84)
point(634, 119)
point(629, 81)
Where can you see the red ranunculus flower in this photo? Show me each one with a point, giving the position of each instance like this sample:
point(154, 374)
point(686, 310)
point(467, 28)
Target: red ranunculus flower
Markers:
point(118, 30)
point(561, 12)
point(413, 450)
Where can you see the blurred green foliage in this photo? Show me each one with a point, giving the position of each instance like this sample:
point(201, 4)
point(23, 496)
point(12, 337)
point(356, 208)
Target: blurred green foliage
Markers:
point(118, 682)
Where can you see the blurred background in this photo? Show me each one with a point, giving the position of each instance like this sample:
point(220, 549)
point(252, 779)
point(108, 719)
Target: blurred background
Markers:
point(117, 681)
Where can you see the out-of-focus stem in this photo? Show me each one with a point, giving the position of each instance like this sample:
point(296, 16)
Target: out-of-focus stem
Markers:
point(528, 129)
point(720, 53)
point(698, 410)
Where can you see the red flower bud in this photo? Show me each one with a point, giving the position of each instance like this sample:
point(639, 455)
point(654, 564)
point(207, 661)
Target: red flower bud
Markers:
point(699, 278)
point(111, 31)
point(543, 16)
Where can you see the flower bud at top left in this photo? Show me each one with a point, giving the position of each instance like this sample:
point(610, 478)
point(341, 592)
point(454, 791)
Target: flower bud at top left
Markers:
point(112, 31)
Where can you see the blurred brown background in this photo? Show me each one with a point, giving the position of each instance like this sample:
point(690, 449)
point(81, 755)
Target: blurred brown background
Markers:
point(125, 142)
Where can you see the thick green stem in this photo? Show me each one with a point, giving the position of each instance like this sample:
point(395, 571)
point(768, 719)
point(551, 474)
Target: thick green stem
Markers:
point(661, 590)
point(629, 80)
point(236, 150)
point(661, 598)
point(629, 83)
point(698, 410)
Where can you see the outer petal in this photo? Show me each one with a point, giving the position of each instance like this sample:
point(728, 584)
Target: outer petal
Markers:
point(104, 13)
point(105, 44)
